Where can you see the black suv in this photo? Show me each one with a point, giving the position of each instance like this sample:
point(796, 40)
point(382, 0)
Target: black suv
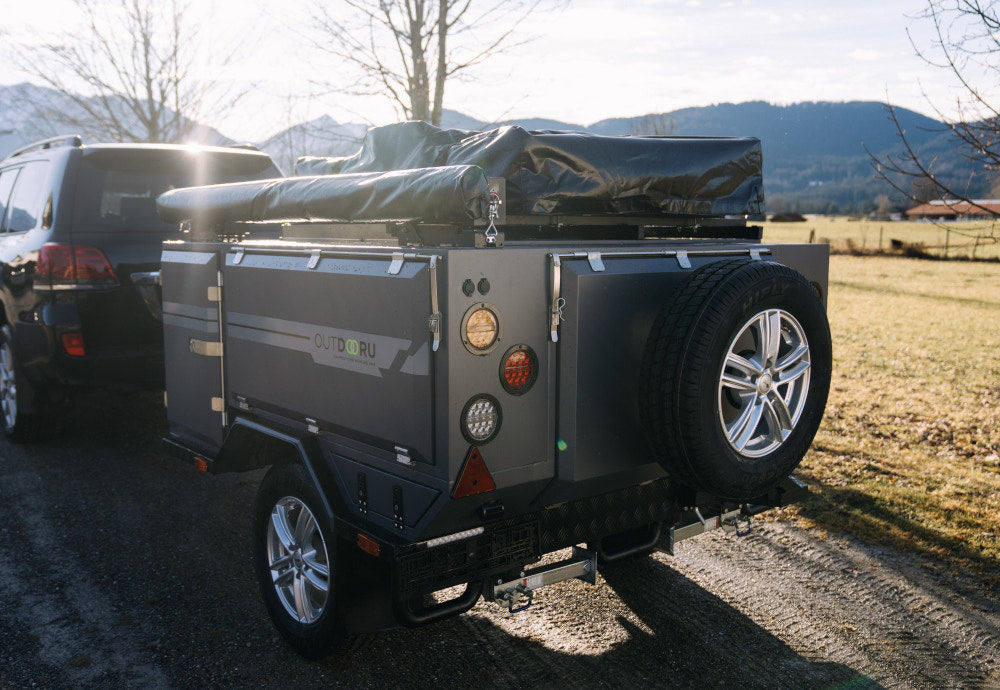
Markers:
point(80, 243)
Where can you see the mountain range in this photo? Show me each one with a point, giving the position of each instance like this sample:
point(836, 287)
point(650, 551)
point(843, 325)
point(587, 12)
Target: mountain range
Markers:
point(815, 154)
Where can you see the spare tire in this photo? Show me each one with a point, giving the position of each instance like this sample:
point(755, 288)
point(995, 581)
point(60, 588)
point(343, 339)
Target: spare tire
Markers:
point(735, 376)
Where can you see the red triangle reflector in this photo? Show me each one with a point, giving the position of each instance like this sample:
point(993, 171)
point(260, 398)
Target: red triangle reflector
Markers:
point(475, 477)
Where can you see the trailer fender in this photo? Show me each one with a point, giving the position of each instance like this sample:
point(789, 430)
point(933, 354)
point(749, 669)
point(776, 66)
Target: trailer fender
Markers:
point(250, 445)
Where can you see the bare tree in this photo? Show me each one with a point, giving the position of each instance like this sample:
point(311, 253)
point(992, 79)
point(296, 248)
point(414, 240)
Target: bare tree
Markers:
point(654, 125)
point(130, 76)
point(409, 49)
point(967, 45)
point(883, 207)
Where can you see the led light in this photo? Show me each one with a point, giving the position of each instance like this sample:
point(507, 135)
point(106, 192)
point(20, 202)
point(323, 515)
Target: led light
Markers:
point(457, 536)
point(480, 329)
point(369, 545)
point(481, 419)
point(518, 370)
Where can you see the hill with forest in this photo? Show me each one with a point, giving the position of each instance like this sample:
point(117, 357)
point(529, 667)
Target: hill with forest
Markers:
point(818, 156)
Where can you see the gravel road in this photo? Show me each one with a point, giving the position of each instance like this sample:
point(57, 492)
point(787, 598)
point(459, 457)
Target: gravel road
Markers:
point(123, 567)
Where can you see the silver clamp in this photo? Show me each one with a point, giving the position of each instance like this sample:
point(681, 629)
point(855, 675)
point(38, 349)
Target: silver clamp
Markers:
point(434, 321)
point(494, 213)
point(555, 311)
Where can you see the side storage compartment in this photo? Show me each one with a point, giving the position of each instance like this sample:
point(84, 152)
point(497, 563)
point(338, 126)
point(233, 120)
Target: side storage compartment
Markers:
point(601, 344)
point(340, 339)
point(193, 347)
point(339, 342)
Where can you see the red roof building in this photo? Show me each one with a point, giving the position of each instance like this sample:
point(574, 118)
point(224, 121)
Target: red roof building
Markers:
point(952, 209)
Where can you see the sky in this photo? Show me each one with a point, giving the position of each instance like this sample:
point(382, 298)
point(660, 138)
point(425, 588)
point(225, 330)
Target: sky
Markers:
point(583, 62)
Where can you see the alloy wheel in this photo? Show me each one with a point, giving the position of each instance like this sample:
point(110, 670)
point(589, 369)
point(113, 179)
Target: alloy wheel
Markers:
point(298, 561)
point(764, 383)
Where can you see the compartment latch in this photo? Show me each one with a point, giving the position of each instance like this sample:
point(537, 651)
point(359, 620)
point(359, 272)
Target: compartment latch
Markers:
point(208, 348)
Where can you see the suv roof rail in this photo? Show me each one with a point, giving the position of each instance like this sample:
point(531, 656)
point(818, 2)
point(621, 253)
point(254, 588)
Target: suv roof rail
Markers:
point(247, 147)
point(64, 140)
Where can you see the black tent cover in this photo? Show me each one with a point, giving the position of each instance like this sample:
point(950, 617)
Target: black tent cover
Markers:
point(413, 170)
point(451, 194)
point(575, 173)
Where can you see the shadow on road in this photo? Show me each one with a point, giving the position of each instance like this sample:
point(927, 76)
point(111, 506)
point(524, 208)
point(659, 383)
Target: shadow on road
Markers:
point(154, 560)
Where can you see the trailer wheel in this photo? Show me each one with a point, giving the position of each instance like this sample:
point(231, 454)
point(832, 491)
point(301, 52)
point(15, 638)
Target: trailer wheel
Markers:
point(294, 557)
point(736, 373)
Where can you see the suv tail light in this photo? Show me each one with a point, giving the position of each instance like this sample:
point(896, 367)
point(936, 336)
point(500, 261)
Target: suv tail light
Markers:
point(73, 344)
point(71, 265)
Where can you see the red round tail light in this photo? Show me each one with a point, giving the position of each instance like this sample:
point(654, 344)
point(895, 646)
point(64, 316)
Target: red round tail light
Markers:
point(518, 370)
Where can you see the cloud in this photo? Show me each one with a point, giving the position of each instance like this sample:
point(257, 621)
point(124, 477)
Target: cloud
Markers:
point(866, 54)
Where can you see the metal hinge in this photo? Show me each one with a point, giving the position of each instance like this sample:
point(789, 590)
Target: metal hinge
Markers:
point(218, 405)
point(214, 293)
point(207, 348)
point(314, 258)
point(397, 264)
point(596, 263)
point(403, 456)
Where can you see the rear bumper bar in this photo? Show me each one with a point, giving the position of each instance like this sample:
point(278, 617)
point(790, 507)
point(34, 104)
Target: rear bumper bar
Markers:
point(503, 549)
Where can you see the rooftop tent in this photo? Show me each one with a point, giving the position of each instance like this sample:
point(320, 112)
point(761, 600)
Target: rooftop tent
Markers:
point(450, 194)
point(414, 171)
point(574, 173)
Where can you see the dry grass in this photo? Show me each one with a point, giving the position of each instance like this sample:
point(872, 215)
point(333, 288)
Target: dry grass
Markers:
point(846, 235)
point(908, 451)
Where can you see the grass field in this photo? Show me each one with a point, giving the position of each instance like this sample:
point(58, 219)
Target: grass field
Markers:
point(867, 236)
point(908, 451)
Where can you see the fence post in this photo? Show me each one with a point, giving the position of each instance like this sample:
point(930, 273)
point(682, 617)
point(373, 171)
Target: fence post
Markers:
point(880, 229)
point(947, 239)
point(812, 235)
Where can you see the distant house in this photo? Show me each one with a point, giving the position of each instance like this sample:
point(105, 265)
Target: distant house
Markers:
point(789, 217)
point(952, 209)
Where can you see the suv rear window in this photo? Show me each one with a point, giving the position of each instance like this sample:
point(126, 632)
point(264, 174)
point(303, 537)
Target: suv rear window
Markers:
point(25, 207)
point(7, 178)
point(117, 188)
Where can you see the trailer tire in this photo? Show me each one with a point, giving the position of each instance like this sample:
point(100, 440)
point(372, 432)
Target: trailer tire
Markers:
point(294, 554)
point(20, 424)
point(735, 376)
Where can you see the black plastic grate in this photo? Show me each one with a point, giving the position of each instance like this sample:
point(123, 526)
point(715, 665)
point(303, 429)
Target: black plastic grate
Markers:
point(505, 545)
point(592, 518)
point(513, 543)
